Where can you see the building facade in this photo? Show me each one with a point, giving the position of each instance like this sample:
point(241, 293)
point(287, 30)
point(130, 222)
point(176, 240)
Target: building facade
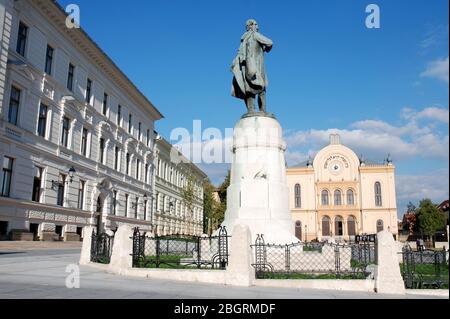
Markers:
point(76, 135)
point(339, 195)
point(178, 195)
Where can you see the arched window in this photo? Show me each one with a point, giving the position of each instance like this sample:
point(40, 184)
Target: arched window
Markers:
point(325, 198)
point(380, 225)
point(337, 197)
point(298, 229)
point(351, 226)
point(378, 198)
point(298, 196)
point(326, 226)
point(339, 226)
point(350, 197)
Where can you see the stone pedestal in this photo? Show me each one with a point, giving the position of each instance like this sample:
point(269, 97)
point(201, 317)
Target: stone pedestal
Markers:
point(21, 235)
point(71, 237)
point(258, 191)
point(388, 278)
point(240, 271)
point(85, 256)
point(121, 258)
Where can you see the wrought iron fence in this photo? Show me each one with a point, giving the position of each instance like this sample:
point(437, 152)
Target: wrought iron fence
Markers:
point(314, 260)
point(180, 251)
point(101, 247)
point(427, 269)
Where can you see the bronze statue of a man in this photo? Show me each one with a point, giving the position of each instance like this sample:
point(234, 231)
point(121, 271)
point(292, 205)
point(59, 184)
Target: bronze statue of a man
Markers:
point(248, 68)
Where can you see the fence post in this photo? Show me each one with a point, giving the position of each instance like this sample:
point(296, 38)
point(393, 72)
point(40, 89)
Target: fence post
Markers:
point(85, 257)
point(240, 271)
point(337, 261)
point(199, 253)
point(158, 252)
point(388, 278)
point(122, 253)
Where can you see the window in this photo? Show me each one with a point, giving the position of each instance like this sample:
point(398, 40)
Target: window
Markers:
point(378, 198)
point(350, 197)
point(298, 230)
point(298, 196)
point(145, 209)
point(326, 226)
point(130, 119)
point(70, 77)
point(7, 176)
point(351, 226)
point(136, 204)
point(81, 191)
point(49, 60)
point(128, 164)
point(146, 173)
point(380, 225)
point(126, 205)
point(339, 226)
point(116, 158)
point(37, 185)
point(138, 169)
point(114, 206)
point(105, 104)
point(337, 198)
point(102, 150)
point(61, 190)
point(88, 91)
point(325, 198)
point(139, 131)
point(22, 39)
point(119, 115)
point(84, 141)
point(65, 131)
point(42, 121)
point(14, 103)
point(148, 138)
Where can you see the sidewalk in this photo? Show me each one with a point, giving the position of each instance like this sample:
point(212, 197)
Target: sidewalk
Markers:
point(37, 245)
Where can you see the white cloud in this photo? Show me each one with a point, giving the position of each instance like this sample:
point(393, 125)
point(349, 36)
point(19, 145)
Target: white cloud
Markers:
point(437, 69)
point(430, 113)
point(414, 188)
point(375, 139)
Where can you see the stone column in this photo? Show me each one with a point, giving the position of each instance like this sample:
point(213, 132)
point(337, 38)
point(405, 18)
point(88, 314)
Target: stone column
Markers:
point(240, 271)
point(85, 257)
point(121, 259)
point(388, 278)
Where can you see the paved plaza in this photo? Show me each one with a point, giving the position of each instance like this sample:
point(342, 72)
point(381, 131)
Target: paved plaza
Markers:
point(39, 271)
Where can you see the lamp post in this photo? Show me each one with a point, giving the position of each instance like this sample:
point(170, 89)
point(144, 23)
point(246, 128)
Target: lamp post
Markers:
point(71, 174)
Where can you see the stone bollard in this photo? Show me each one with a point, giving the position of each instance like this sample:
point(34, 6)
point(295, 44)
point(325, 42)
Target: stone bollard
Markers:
point(240, 271)
point(121, 258)
point(85, 257)
point(388, 279)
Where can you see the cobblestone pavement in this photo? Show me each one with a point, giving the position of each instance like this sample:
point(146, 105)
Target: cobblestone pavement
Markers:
point(42, 274)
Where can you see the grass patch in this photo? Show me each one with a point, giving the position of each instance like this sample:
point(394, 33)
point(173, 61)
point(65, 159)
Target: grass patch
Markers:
point(428, 274)
point(279, 276)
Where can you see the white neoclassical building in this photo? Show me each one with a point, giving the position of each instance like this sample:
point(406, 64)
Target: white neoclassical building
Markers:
point(174, 172)
point(76, 135)
point(340, 195)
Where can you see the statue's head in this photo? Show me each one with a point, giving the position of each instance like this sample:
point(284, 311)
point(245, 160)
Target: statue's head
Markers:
point(251, 25)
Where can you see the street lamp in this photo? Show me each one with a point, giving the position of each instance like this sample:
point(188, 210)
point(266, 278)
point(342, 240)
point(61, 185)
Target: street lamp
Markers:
point(71, 174)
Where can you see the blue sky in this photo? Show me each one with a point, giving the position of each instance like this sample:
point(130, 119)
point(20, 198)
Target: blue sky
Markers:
point(384, 90)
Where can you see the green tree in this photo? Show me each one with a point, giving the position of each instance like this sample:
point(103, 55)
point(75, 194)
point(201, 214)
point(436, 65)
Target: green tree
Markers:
point(209, 206)
point(411, 208)
point(429, 218)
point(188, 195)
point(223, 188)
